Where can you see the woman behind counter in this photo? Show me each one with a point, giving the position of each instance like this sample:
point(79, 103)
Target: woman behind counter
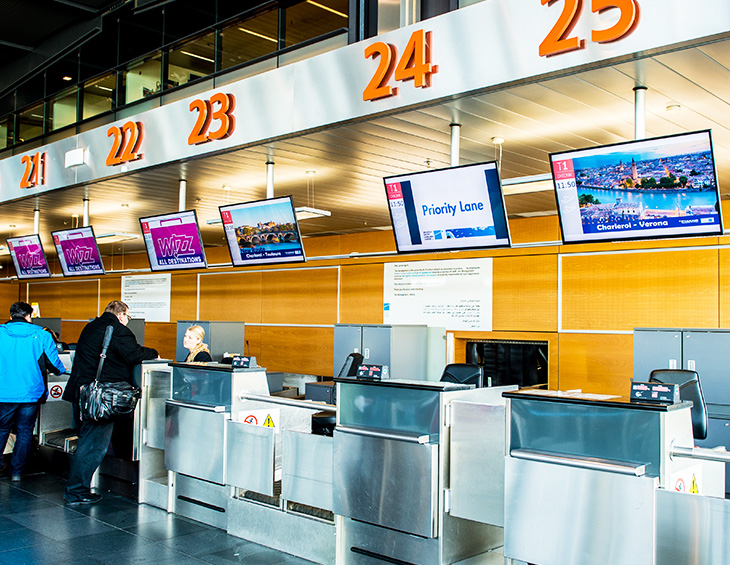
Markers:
point(193, 342)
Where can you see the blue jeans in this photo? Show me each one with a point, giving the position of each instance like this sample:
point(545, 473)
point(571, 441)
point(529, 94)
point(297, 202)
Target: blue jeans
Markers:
point(22, 414)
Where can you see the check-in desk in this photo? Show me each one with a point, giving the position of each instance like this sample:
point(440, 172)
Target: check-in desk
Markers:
point(391, 475)
point(587, 476)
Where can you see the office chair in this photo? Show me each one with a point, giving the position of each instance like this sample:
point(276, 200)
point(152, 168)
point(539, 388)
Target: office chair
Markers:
point(464, 373)
point(689, 389)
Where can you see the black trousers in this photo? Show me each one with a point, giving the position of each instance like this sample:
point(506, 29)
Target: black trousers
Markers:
point(91, 448)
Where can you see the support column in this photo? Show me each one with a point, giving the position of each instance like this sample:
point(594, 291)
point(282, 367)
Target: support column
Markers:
point(182, 194)
point(639, 112)
point(269, 179)
point(455, 141)
point(36, 220)
point(85, 219)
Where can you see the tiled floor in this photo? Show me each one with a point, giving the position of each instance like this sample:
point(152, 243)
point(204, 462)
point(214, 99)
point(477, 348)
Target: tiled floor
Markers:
point(36, 528)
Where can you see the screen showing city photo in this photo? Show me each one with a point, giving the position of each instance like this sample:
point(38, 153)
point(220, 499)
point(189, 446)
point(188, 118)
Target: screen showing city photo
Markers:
point(77, 252)
point(28, 257)
point(173, 241)
point(448, 209)
point(661, 187)
point(262, 232)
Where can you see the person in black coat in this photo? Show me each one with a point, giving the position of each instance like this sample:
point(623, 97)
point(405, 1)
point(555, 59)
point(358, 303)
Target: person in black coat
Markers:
point(122, 355)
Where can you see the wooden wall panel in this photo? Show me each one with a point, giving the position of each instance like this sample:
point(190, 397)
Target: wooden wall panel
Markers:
point(231, 297)
point(308, 351)
point(627, 290)
point(161, 336)
point(361, 294)
point(598, 363)
point(9, 293)
point(70, 331)
point(183, 302)
point(724, 287)
point(301, 296)
point(532, 230)
point(111, 289)
point(67, 299)
point(525, 293)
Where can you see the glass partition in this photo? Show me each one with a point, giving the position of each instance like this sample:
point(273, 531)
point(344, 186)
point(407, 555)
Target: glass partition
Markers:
point(6, 129)
point(142, 78)
point(191, 61)
point(311, 19)
point(30, 123)
point(249, 40)
point(99, 95)
point(62, 109)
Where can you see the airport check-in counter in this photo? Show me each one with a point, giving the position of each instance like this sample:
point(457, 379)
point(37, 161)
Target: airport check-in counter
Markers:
point(592, 479)
point(391, 475)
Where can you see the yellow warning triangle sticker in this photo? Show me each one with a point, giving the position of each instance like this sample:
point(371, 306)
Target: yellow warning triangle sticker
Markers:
point(693, 488)
point(269, 423)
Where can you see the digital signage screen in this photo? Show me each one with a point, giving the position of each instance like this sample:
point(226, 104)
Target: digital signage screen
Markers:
point(448, 209)
point(28, 257)
point(77, 252)
point(262, 232)
point(649, 188)
point(173, 241)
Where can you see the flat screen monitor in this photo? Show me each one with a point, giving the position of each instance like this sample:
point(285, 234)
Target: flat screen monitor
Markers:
point(78, 252)
point(649, 188)
point(448, 209)
point(28, 257)
point(262, 232)
point(173, 241)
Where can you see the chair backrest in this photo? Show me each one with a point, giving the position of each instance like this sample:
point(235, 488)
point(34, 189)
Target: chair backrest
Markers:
point(464, 373)
point(689, 389)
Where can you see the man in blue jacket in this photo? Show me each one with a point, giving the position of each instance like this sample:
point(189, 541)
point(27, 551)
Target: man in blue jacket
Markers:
point(22, 346)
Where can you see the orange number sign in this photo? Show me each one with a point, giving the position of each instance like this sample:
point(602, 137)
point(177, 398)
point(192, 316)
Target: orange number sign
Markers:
point(35, 170)
point(220, 108)
point(415, 64)
point(558, 41)
point(125, 146)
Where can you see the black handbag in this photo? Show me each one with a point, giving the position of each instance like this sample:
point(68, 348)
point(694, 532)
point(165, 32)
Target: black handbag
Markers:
point(100, 402)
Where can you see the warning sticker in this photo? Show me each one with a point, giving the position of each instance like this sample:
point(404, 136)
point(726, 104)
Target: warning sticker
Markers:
point(55, 392)
point(265, 418)
point(687, 480)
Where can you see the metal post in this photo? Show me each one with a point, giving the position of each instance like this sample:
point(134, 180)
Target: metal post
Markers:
point(36, 220)
point(269, 179)
point(85, 219)
point(182, 194)
point(455, 140)
point(639, 112)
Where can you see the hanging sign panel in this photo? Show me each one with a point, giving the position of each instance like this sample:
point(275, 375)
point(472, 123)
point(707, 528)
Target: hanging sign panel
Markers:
point(454, 294)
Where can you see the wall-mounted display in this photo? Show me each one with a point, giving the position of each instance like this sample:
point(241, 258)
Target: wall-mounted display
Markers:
point(28, 257)
point(448, 209)
point(78, 252)
point(173, 241)
point(649, 188)
point(262, 232)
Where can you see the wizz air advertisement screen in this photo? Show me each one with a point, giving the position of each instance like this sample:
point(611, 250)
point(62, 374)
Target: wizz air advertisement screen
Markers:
point(262, 232)
point(78, 252)
point(173, 241)
point(28, 257)
point(448, 209)
point(660, 187)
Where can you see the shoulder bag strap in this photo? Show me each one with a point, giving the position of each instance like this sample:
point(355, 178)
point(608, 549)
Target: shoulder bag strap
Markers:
point(104, 347)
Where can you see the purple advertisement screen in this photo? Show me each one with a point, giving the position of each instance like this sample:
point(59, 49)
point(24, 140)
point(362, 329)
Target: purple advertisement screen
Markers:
point(78, 252)
point(28, 257)
point(173, 241)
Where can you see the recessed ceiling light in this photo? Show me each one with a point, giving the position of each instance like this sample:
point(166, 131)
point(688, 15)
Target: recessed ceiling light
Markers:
point(498, 140)
point(67, 78)
point(673, 107)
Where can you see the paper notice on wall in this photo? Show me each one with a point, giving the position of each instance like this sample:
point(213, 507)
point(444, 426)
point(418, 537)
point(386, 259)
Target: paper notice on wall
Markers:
point(148, 296)
point(455, 294)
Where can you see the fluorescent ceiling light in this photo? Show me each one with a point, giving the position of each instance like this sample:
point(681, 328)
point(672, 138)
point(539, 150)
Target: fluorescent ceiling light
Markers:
point(4, 250)
point(214, 221)
point(307, 213)
point(332, 10)
point(260, 35)
point(116, 237)
point(103, 87)
point(189, 54)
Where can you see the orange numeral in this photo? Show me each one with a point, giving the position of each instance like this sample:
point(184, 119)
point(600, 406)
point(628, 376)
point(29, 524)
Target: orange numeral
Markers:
point(34, 173)
point(415, 64)
point(125, 146)
point(226, 104)
point(557, 40)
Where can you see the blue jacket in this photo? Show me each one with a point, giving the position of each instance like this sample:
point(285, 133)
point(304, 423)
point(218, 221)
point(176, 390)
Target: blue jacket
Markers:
point(22, 346)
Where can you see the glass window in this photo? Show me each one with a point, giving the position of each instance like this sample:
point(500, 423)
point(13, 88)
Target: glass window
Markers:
point(191, 61)
point(139, 34)
point(250, 39)
point(184, 18)
point(99, 54)
point(31, 91)
point(30, 123)
point(141, 79)
point(99, 95)
point(6, 131)
point(62, 109)
point(62, 74)
point(311, 19)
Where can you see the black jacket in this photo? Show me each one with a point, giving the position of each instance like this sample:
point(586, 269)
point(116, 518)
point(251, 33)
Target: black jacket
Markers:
point(123, 354)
